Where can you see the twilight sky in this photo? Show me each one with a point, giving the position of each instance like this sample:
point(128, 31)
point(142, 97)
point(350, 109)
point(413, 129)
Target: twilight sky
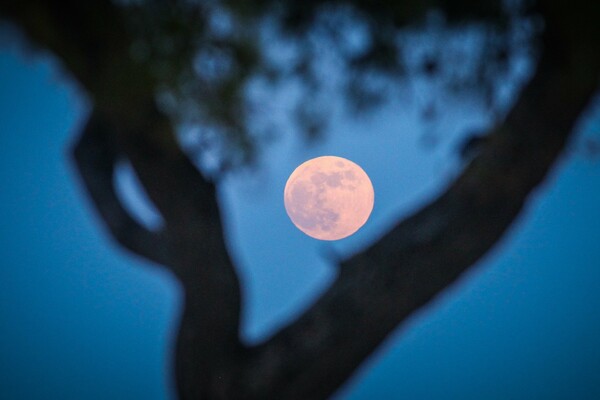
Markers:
point(81, 319)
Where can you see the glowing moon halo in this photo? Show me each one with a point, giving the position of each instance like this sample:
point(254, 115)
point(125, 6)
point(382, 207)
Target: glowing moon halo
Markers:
point(328, 198)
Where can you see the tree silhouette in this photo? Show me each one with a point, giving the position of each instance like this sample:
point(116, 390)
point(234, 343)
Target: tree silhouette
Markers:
point(148, 66)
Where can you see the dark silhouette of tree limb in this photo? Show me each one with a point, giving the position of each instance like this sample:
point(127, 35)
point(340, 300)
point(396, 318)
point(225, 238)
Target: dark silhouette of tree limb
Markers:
point(380, 287)
point(96, 155)
point(377, 289)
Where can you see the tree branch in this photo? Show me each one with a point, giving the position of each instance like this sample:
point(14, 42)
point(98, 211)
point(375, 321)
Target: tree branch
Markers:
point(208, 347)
point(91, 40)
point(95, 155)
point(381, 287)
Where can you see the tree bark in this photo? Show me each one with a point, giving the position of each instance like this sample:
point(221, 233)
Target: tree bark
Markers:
point(377, 289)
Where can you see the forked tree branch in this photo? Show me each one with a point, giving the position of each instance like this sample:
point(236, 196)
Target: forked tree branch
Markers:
point(191, 244)
point(96, 155)
point(93, 44)
point(208, 347)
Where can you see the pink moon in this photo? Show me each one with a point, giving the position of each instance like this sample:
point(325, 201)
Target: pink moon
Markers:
point(329, 197)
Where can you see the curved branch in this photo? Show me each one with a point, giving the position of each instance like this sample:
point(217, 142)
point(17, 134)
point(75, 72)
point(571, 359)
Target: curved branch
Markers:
point(381, 287)
point(208, 346)
point(92, 41)
point(95, 156)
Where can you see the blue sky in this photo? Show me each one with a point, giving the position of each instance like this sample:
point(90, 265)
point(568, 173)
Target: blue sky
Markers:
point(82, 319)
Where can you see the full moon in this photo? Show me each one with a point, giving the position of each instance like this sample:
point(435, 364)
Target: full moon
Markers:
point(328, 198)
